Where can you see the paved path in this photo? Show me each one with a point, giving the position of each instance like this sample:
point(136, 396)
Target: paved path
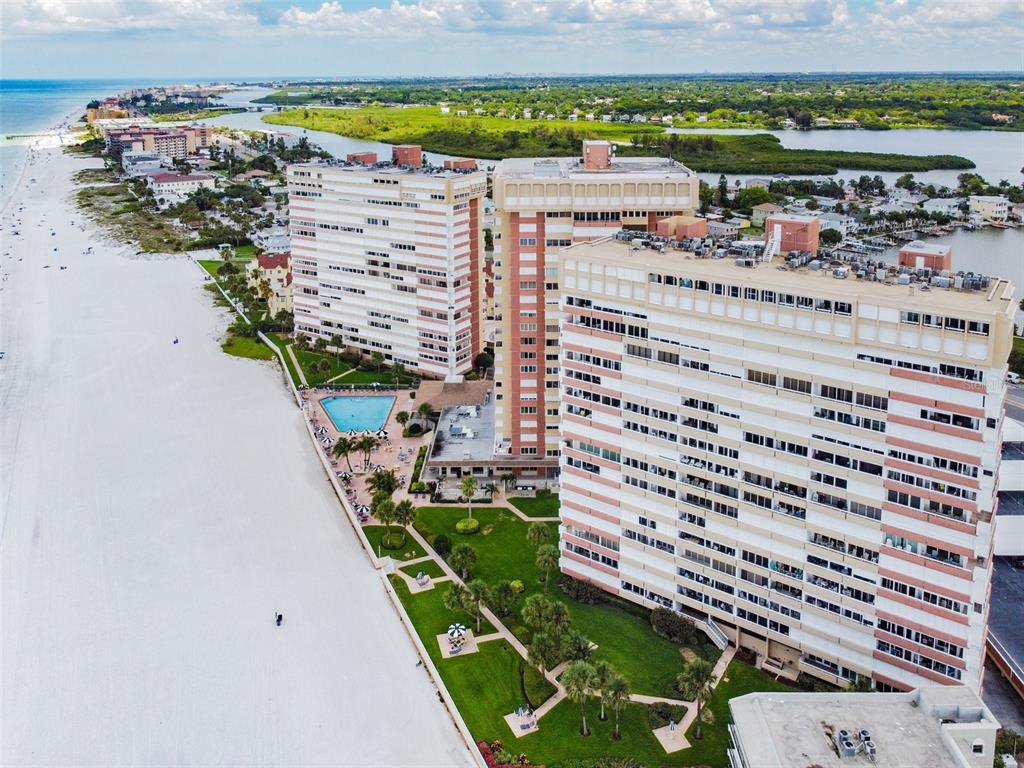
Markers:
point(295, 362)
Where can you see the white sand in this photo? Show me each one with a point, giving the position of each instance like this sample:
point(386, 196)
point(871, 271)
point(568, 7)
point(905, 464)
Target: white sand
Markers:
point(159, 503)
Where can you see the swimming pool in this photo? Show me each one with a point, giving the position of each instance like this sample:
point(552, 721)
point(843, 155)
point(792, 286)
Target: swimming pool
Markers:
point(359, 414)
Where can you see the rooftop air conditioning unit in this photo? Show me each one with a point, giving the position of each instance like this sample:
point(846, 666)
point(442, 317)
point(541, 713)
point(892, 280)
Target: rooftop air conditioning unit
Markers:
point(847, 748)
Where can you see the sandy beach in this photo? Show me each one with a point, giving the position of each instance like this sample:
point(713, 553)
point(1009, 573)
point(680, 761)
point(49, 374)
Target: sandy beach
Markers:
point(159, 504)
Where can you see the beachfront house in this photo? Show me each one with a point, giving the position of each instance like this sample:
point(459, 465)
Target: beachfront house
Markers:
point(990, 207)
point(945, 206)
point(169, 188)
point(761, 211)
point(270, 275)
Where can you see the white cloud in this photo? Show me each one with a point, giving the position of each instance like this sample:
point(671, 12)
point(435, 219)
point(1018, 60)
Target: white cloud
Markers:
point(71, 16)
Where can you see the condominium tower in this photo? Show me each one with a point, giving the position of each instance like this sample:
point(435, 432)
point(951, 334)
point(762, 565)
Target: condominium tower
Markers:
point(387, 256)
point(543, 205)
point(807, 461)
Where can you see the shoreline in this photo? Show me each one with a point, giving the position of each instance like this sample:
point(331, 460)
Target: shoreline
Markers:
point(154, 559)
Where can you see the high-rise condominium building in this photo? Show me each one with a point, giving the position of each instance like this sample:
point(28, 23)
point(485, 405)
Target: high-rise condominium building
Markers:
point(543, 205)
point(387, 256)
point(811, 462)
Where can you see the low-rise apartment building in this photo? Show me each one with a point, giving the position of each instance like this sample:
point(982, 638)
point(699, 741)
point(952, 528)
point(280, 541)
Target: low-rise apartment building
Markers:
point(543, 205)
point(171, 186)
point(388, 257)
point(270, 275)
point(989, 207)
point(808, 462)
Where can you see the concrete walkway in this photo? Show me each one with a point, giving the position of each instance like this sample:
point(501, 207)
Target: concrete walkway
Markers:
point(295, 362)
point(672, 740)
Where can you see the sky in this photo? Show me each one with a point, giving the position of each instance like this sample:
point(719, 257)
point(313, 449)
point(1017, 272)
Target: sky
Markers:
point(233, 39)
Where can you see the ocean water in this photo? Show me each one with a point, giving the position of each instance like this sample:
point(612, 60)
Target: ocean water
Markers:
point(34, 106)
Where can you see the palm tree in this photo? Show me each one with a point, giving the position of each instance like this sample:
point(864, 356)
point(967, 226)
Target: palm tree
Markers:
point(343, 448)
point(402, 417)
point(507, 478)
point(478, 594)
point(468, 489)
point(383, 481)
point(398, 373)
point(544, 651)
point(491, 490)
point(547, 560)
point(578, 679)
point(455, 598)
point(366, 444)
point(697, 682)
point(405, 515)
point(377, 359)
point(383, 508)
point(618, 694)
point(535, 610)
point(604, 673)
point(462, 558)
point(557, 618)
point(338, 342)
point(537, 534)
point(426, 410)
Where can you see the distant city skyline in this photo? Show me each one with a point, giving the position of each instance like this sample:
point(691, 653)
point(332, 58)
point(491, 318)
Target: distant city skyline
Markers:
point(237, 38)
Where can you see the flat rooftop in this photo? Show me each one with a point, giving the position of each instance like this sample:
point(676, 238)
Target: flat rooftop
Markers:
point(920, 246)
point(1005, 601)
point(565, 167)
point(389, 169)
point(464, 433)
point(778, 276)
point(797, 730)
point(1013, 450)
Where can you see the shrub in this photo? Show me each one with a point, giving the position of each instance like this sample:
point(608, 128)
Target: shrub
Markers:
point(415, 485)
point(582, 591)
point(467, 526)
point(673, 626)
point(659, 714)
point(598, 762)
point(418, 487)
point(442, 545)
point(518, 587)
point(415, 429)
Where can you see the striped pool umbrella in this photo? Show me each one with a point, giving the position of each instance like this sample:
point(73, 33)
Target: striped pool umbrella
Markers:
point(379, 468)
point(362, 508)
point(457, 630)
point(382, 434)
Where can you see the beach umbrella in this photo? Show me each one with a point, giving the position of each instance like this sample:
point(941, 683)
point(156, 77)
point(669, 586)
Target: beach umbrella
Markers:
point(457, 630)
point(379, 468)
point(362, 508)
point(382, 434)
point(345, 475)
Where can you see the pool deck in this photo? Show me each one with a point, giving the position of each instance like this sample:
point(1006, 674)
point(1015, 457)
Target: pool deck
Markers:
point(385, 454)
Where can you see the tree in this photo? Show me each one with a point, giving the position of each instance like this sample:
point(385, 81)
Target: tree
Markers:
point(405, 515)
point(706, 196)
point(366, 444)
point(830, 236)
point(383, 508)
point(383, 481)
point(722, 196)
point(697, 682)
point(377, 360)
point(398, 373)
point(338, 342)
point(455, 598)
point(468, 490)
point(402, 417)
point(751, 196)
point(618, 694)
point(544, 651)
point(462, 558)
point(482, 362)
point(507, 478)
point(535, 609)
point(604, 673)
point(426, 410)
point(547, 561)
point(320, 344)
point(342, 448)
point(578, 679)
point(491, 490)
point(503, 597)
point(478, 594)
point(576, 647)
point(538, 533)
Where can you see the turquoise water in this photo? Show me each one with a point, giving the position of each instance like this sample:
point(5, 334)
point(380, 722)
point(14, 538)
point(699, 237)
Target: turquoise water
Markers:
point(358, 414)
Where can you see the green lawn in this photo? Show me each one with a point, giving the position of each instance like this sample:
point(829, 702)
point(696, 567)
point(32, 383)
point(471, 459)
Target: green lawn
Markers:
point(431, 568)
point(308, 358)
point(283, 343)
point(504, 553)
point(243, 346)
point(619, 633)
point(410, 551)
point(363, 378)
point(559, 737)
point(431, 618)
point(739, 679)
point(544, 504)
point(501, 546)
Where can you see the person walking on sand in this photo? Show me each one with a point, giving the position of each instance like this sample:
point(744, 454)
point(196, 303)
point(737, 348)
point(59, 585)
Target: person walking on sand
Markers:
point(280, 618)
